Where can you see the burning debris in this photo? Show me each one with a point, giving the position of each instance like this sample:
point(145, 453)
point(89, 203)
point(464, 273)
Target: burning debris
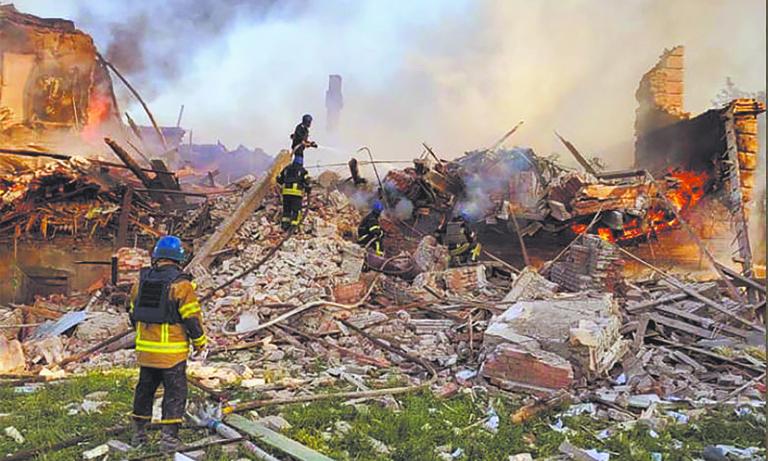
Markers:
point(310, 314)
point(53, 83)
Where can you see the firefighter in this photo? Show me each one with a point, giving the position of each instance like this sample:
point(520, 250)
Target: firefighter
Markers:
point(300, 137)
point(461, 240)
point(369, 232)
point(166, 315)
point(295, 181)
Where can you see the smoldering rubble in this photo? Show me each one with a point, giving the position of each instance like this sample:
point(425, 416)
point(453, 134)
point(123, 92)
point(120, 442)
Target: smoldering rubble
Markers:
point(564, 306)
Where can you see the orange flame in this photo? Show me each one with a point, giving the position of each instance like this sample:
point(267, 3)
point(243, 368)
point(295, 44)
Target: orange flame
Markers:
point(684, 190)
point(99, 106)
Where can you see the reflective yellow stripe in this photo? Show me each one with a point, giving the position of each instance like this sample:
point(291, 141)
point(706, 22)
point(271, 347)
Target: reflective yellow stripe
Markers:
point(374, 228)
point(171, 421)
point(200, 341)
point(460, 249)
point(476, 251)
point(170, 348)
point(188, 309)
point(292, 190)
point(164, 346)
point(194, 285)
point(131, 309)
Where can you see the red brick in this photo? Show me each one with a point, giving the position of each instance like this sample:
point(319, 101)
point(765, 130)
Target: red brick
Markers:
point(540, 369)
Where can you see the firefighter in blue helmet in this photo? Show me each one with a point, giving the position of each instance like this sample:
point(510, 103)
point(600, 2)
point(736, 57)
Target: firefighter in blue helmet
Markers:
point(167, 317)
point(461, 240)
point(369, 232)
point(295, 181)
point(300, 137)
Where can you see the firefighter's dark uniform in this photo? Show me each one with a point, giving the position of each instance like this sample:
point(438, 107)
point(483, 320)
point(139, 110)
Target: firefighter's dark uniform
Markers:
point(461, 241)
point(370, 234)
point(295, 181)
point(299, 140)
point(167, 317)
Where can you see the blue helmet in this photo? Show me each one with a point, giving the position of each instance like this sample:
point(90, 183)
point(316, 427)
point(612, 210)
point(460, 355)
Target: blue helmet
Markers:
point(464, 214)
point(298, 159)
point(378, 207)
point(306, 119)
point(169, 247)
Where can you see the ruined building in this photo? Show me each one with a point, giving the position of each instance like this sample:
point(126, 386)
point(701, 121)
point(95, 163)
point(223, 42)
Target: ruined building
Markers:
point(52, 84)
point(334, 102)
point(720, 146)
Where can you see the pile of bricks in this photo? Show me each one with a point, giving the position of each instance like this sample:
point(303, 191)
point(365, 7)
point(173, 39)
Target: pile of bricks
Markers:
point(592, 264)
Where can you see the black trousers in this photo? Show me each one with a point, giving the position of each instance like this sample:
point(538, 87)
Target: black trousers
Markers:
point(174, 381)
point(291, 210)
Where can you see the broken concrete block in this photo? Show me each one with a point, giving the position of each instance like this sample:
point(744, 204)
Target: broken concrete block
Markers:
point(350, 293)
point(530, 285)
point(431, 256)
point(102, 325)
point(352, 259)
point(539, 370)
point(275, 422)
point(118, 446)
point(583, 330)
point(96, 452)
point(50, 349)
point(324, 228)
point(465, 279)
point(521, 457)
point(14, 433)
point(12, 358)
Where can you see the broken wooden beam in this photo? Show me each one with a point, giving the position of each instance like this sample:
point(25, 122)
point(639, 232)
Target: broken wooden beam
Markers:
point(250, 202)
point(122, 221)
point(275, 439)
point(138, 97)
point(693, 293)
point(683, 326)
point(747, 281)
point(130, 163)
point(572, 149)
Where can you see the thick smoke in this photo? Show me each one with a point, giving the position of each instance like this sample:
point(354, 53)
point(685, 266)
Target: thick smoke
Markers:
point(456, 74)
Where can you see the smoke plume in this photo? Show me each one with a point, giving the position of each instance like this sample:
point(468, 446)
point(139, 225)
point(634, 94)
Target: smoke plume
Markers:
point(456, 74)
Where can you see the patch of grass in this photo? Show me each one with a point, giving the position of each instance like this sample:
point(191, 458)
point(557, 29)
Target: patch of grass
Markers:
point(412, 430)
point(424, 423)
point(41, 417)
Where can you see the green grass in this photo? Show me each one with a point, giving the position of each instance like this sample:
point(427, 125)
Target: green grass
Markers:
point(42, 417)
point(424, 423)
point(412, 430)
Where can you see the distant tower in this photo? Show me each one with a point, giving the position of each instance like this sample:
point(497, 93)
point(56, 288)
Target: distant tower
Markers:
point(334, 102)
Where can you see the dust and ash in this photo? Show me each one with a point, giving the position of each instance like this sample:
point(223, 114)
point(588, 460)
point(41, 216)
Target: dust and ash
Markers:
point(455, 73)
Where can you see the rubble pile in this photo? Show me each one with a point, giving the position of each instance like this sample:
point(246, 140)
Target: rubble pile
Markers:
point(61, 197)
point(591, 264)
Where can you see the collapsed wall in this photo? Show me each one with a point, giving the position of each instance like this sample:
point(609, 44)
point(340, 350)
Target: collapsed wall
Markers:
point(660, 94)
point(720, 144)
point(51, 82)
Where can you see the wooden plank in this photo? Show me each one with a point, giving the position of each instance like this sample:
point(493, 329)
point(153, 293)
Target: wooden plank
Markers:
point(125, 214)
point(227, 229)
point(130, 163)
point(704, 322)
point(582, 161)
point(640, 307)
point(640, 332)
point(275, 439)
point(682, 326)
point(681, 356)
point(745, 280)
